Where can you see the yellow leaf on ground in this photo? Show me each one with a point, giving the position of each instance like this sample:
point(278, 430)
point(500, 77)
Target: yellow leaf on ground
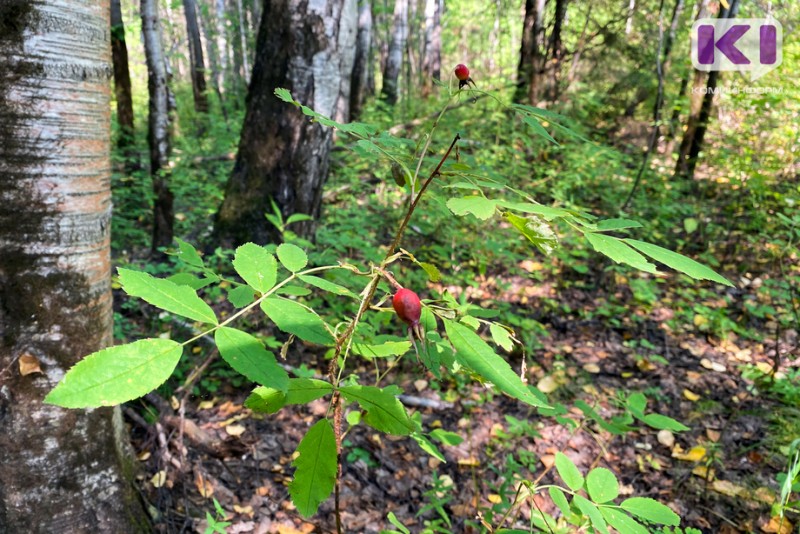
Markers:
point(547, 384)
point(204, 486)
point(235, 430)
point(469, 462)
point(206, 405)
point(690, 395)
point(495, 498)
point(244, 510)
point(712, 366)
point(159, 479)
point(592, 368)
point(695, 454)
point(704, 472)
point(764, 367)
point(778, 525)
point(726, 487)
point(645, 365)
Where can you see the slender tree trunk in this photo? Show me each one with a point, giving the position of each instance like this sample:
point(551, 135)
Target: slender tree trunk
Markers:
point(348, 33)
point(60, 470)
point(158, 126)
point(122, 85)
point(197, 64)
point(530, 54)
point(282, 155)
point(394, 59)
point(432, 52)
point(207, 29)
point(576, 56)
point(629, 21)
point(358, 84)
point(223, 48)
point(701, 100)
point(557, 50)
point(243, 39)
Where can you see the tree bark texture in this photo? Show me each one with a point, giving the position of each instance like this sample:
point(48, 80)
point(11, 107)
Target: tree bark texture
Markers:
point(359, 78)
point(60, 470)
point(158, 126)
point(394, 59)
point(306, 48)
point(122, 77)
point(557, 50)
point(529, 69)
point(197, 64)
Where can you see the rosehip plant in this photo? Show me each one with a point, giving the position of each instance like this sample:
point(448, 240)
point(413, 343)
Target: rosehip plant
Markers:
point(267, 283)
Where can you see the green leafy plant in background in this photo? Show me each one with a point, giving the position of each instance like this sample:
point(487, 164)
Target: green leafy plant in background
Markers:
point(273, 280)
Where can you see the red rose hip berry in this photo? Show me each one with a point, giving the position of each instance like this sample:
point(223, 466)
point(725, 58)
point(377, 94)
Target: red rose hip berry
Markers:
point(408, 307)
point(462, 73)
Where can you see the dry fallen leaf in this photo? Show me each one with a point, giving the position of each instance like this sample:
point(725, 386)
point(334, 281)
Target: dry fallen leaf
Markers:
point(704, 472)
point(713, 366)
point(204, 486)
point(548, 460)
point(495, 498)
point(547, 384)
point(420, 385)
point(29, 364)
point(144, 455)
point(244, 510)
point(159, 479)
point(592, 368)
point(469, 462)
point(645, 365)
point(778, 525)
point(206, 405)
point(726, 487)
point(713, 435)
point(235, 430)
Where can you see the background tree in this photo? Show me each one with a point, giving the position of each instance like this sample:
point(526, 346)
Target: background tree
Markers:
point(61, 470)
point(122, 85)
point(197, 64)
point(531, 53)
point(283, 156)
point(394, 58)
point(158, 132)
point(359, 85)
point(432, 45)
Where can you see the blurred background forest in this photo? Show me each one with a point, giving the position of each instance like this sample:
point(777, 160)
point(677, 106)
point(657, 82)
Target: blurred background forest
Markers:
point(706, 162)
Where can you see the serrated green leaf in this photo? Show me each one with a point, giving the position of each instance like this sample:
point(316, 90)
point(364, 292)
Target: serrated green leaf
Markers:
point(662, 422)
point(328, 286)
point(618, 251)
point(590, 510)
point(295, 291)
point(188, 254)
point(651, 510)
point(560, 500)
point(448, 438)
point(117, 374)
point(568, 472)
point(390, 348)
point(602, 485)
point(248, 357)
point(536, 230)
point(265, 400)
point(538, 128)
point(292, 257)
point(690, 224)
point(546, 212)
point(316, 470)
point(161, 293)
point(474, 353)
point(621, 521)
point(616, 224)
point(636, 404)
point(432, 271)
point(480, 207)
point(678, 262)
point(241, 296)
point(305, 390)
point(256, 266)
point(427, 446)
point(384, 410)
point(294, 318)
point(501, 337)
point(284, 95)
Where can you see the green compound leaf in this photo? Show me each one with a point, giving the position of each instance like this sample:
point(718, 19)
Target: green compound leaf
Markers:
point(618, 251)
point(621, 521)
point(428, 446)
point(328, 286)
point(473, 352)
point(590, 510)
point(560, 500)
point(651, 510)
point(568, 472)
point(316, 468)
point(248, 356)
point(480, 207)
point(602, 485)
point(300, 391)
point(536, 230)
point(169, 296)
point(256, 266)
point(292, 257)
point(384, 350)
point(384, 411)
point(296, 319)
point(117, 374)
point(678, 262)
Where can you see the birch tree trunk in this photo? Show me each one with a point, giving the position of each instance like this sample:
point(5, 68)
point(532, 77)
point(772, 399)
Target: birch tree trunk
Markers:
point(197, 64)
point(359, 78)
point(282, 155)
point(158, 126)
point(394, 59)
point(60, 470)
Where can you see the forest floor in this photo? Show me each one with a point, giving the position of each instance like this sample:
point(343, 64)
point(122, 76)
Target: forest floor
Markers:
point(720, 476)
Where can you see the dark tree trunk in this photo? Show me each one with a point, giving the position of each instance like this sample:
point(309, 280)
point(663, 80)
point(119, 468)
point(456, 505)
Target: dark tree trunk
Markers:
point(529, 69)
point(557, 50)
point(197, 64)
point(158, 127)
point(122, 85)
point(394, 58)
point(282, 155)
point(60, 470)
point(696, 127)
point(359, 79)
point(212, 54)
